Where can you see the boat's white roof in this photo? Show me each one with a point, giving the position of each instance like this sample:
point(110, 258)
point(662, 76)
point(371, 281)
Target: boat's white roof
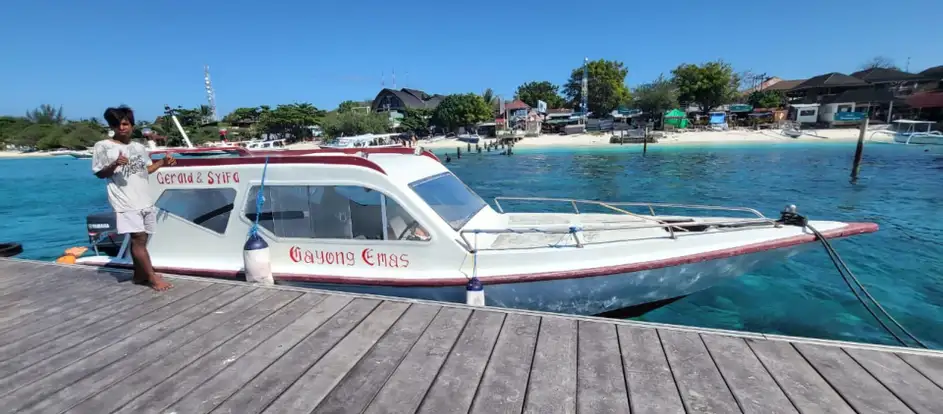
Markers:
point(804, 105)
point(407, 168)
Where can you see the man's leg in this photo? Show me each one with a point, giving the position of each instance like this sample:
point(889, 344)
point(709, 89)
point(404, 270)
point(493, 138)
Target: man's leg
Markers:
point(142, 260)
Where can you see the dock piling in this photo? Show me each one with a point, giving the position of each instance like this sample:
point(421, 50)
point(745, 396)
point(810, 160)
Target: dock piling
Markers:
point(856, 166)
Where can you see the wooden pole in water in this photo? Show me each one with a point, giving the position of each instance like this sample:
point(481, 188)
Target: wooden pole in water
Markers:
point(856, 167)
point(645, 141)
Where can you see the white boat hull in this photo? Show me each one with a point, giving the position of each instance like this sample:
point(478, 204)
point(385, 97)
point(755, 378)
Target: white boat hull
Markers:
point(589, 295)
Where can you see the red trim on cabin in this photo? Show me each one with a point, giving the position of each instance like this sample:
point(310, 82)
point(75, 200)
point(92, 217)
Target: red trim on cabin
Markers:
point(291, 156)
point(291, 159)
point(850, 230)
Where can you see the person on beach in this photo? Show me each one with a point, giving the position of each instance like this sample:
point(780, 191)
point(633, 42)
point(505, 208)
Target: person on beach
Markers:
point(126, 165)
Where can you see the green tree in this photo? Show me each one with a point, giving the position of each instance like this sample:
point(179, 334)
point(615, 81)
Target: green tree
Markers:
point(656, 97)
point(531, 92)
point(243, 115)
point(461, 110)
point(290, 120)
point(766, 99)
point(709, 85)
point(354, 105)
point(336, 124)
point(606, 84)
point(415, 120)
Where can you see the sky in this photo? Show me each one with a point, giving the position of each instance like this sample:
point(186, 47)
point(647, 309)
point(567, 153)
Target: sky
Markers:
point(88, 55)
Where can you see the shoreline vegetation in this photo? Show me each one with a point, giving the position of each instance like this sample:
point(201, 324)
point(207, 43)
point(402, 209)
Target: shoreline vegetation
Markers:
point(686, 139)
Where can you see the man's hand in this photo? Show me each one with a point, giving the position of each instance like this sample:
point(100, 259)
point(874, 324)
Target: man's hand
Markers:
point(122, 160)
point(169, 160)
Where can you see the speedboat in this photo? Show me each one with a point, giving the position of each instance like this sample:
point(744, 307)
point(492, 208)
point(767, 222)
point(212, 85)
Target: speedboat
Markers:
point(397, 222)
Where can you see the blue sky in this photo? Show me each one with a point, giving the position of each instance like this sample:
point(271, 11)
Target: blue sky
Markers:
point(87, 55)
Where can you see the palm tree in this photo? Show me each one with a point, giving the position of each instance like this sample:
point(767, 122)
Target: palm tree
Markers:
point(46, 114)
point(488, 96)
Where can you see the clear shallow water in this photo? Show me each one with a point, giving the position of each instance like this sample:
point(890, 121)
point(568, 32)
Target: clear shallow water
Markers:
point(44, 203)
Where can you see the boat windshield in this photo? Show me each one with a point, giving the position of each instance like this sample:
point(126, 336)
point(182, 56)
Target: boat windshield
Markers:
point(449, 197)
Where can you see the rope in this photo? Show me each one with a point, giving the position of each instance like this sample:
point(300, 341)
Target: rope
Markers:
point(259, 202)
point(851, 280)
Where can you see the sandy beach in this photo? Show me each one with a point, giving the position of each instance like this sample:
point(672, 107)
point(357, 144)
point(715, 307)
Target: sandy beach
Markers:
point(682, 138)
point(17, 154)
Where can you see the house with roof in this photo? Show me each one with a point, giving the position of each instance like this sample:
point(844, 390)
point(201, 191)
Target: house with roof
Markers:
point(392, 100)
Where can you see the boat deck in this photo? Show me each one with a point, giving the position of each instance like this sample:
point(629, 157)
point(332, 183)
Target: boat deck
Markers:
point(75, 340)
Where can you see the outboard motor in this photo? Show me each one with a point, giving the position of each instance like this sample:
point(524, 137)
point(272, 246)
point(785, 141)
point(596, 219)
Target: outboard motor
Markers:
point(103, 233)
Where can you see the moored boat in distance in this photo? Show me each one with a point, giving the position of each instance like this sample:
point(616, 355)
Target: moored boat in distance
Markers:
point(364, 141)
point(397, 222)
point(907, 131)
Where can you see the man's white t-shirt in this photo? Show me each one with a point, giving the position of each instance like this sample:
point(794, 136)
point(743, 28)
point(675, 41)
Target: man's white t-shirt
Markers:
point(128, 186)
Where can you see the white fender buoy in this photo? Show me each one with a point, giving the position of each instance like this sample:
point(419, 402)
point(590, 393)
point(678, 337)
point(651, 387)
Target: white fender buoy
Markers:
point(474, 292)
point(258, 261)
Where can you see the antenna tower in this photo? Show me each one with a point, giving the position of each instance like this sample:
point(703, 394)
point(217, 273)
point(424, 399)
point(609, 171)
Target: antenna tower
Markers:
point(210, 95)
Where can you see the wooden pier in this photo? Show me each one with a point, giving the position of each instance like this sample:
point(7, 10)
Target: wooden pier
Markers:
point(82, 340)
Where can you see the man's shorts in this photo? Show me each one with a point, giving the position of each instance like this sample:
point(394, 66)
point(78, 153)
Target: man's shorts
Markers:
point(136, 221)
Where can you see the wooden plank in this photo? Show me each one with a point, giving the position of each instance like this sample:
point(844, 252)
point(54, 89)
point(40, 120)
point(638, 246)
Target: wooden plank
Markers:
point(701, 386)
point(600, 379)
point(751, 384)
point(272, 377)
point(856, 386)
point(41, 303)
point(25, 274)
point(365, 379)
point(552, 385)
point(65, 311)
point(404, 390)
point(651, 384)
point(50, 357)
point(455, 386)
point(164, 381)
point(929, 366)
point(221, 325)
point(807, 390)
point(309, 390)
point(211, 387)
point(183, 327)
point(23, 339)
point(909, 385)
point(50, 285)
point(504, 383)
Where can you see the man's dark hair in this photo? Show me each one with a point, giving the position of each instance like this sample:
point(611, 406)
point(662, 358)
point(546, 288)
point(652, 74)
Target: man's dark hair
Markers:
point(114, 116)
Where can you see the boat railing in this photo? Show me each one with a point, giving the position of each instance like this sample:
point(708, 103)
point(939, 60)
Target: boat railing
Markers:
point(574, 230)
point(615, 206)
point(672, 228)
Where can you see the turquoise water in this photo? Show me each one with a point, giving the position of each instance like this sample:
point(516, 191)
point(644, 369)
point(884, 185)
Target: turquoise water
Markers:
point(45, 202)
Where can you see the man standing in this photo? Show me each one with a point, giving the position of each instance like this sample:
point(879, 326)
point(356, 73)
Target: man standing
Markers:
point(126, 165)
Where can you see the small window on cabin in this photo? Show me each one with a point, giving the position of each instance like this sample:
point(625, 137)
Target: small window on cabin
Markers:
point(205, 207)
point(807, 112)
point(332, 212)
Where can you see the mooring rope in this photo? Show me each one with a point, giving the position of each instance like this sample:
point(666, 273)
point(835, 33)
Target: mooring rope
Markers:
point(259, 202)
point(851, 280)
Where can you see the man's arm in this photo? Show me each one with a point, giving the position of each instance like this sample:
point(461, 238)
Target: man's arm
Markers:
point(107, 171)
point(168, 160)
point(154, 166)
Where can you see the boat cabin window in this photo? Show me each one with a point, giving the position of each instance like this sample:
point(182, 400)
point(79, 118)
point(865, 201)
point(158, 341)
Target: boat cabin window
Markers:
point(450, 198)
point(205, 207)
point(333, 212)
